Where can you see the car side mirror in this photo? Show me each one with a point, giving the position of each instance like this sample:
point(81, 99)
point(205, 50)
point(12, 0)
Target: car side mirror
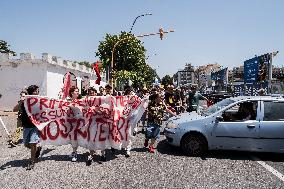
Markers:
point(219, 118)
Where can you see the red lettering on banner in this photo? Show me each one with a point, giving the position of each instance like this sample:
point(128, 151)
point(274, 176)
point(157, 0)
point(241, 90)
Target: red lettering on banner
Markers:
point(101, 132)
point(123, 100)
point(88, 129)
point(65, 103)
point(111, 129)
point(51, 103)
point(43, 117)
point(36, 117)
point(34, 120)
point(126, 129)
point(50, 136)
point(70, 112)
point(104, 118)
point(84, 111)
point(65, 132)
point(117, 112)
point(61, 102)
point(135, 101)
point(120, 127)
point(126, 111)
point(80, 103)
point(31, 101)
point(52, 114)
point(42, 102)
point(106, 113)
point(42, 134)
point(77, 130)
point(71, 121)
point(97, 130)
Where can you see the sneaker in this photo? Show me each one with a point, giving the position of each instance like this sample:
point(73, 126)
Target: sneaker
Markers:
point(74, 156)
point(38, 150)
point(127, 154)
point(103, 158)
point(89, 160)
point(112, 151)
point(12, 145)
point(30, 165)
point(146, 143)
point(151, 149)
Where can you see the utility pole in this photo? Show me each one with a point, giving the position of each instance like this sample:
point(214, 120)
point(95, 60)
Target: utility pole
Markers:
point(270, 71)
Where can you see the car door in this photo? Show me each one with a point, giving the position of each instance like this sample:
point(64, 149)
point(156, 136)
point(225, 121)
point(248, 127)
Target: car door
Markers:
point(235, 133)
point(272, 126)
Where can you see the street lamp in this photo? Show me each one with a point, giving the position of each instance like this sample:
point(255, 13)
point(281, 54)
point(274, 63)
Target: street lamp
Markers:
point(137, 18)
point(125, 39)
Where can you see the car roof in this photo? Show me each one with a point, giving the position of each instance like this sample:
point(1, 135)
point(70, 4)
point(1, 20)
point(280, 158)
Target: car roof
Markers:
point(239, 98)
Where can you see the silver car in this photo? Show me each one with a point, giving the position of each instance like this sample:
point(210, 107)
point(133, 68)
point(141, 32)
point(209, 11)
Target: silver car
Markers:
point(242, 123)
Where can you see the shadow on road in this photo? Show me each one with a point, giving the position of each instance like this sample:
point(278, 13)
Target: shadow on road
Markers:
point(81, 158)
point(164, 148)
point(15, 163)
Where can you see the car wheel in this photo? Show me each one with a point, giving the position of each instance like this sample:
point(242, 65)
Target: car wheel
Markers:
point(194, 145)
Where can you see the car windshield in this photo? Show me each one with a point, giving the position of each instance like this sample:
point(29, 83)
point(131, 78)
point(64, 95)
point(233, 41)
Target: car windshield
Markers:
point(218, 106)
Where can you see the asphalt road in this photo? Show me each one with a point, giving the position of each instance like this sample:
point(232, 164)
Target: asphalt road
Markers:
point(167, 168)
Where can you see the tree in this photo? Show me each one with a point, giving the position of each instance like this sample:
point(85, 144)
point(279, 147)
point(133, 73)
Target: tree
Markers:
point(85, 63)
point(129, 55)
point(4, 48)
point(167, 80)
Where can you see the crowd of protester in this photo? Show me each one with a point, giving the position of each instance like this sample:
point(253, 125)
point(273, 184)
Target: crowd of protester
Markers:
point(163, 101)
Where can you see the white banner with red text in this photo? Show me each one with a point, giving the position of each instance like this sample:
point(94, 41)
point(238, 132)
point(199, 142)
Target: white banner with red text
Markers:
point(95, 122)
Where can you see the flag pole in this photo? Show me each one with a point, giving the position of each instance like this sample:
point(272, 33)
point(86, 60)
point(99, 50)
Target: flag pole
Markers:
point(4, 127)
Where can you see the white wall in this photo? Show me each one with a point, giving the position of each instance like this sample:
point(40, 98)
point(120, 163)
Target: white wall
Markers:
point(47, 73)
point(54, 83)
point(15, 76)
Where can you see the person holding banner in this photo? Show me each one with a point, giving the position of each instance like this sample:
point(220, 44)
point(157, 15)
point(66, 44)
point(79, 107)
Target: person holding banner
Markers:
point(128, 91)
point(108, 90)
point(31, 135)
point(93, 92)
point(15, 137)
point(73, 95)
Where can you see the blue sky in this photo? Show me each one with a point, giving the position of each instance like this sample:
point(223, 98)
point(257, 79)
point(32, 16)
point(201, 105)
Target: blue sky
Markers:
point(224, 31)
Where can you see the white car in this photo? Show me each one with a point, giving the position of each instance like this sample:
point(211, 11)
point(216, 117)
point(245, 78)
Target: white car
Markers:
point(242, 123)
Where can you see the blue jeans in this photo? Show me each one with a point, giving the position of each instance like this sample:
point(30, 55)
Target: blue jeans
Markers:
point(31, 135)
point(152, 131)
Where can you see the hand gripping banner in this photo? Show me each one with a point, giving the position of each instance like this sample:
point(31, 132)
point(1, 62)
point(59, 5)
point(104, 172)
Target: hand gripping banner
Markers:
point(96, 122)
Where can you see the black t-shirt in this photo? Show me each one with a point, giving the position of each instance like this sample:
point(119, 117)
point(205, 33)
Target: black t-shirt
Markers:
point(26, 121)
point(170, 99)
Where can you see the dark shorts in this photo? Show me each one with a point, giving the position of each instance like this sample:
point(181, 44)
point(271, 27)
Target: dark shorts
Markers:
point(152, 131)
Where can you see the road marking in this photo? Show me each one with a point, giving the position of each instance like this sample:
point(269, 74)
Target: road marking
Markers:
point(269, 168)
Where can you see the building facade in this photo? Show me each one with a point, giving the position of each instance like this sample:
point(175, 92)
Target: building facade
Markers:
point(47, 72)
point(184, 77)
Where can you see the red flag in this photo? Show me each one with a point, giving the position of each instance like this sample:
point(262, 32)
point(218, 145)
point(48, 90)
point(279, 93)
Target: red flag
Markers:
point(96, 68)
point(66, 86)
